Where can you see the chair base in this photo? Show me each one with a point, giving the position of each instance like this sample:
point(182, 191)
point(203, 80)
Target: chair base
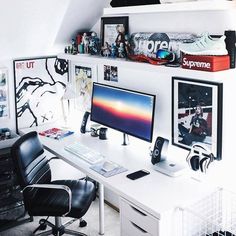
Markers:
point(58, 229)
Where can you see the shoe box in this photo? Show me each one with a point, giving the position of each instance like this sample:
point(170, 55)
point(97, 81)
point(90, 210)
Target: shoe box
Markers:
point(205, 63)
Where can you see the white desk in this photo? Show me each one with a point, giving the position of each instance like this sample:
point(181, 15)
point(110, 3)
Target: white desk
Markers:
point(157, 194)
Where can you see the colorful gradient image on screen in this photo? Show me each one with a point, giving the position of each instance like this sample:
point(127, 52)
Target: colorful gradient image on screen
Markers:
point(128, 111)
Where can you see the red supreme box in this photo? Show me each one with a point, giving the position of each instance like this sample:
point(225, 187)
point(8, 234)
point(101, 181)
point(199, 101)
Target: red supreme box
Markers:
point(205, 63)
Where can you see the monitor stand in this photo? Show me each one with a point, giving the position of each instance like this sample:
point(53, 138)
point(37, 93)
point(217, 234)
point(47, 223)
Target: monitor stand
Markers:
point(170, 168)
point(125, 139)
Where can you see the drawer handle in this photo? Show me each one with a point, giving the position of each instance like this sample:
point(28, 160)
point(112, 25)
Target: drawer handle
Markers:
point(139, 228)
point(140, 212)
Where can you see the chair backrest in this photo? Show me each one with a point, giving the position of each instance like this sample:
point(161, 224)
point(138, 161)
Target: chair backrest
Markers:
point(30, 160)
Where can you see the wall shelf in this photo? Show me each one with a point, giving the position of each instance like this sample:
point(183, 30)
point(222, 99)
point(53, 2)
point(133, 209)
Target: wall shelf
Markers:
point(208, 5)
point(98, 60)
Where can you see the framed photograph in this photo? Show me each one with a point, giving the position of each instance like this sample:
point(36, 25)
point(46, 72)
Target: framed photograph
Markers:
point(113, 30)
point(111, 73)
point(39, 86)
point(197, 114)
point(4, 98)
point(83, 76)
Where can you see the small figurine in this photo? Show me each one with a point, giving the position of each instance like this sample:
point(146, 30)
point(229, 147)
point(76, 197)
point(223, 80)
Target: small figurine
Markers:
point(66, 50)
point(113, 50)
point(73, 47)
point(127, 46)
point(85, 41)
point(94, 44)
point(81, 48)
point(106, 50)
point(121, 51)
point(121, 35)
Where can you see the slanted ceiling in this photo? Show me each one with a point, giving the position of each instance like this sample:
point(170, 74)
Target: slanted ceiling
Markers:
point(34, 28)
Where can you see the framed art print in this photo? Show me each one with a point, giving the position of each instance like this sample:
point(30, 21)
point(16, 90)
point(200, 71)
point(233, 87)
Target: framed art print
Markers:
point(83, 76)
point(197, 114)
point(110, 73)
point(4, 98)
point(112, 28)
point(39, 86)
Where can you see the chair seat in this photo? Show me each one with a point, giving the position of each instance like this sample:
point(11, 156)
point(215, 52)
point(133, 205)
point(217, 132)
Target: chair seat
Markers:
point(48, 202)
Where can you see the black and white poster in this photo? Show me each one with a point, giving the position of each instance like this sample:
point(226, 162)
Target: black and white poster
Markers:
point(4, 103)
point(39, 86)
point(111, 73)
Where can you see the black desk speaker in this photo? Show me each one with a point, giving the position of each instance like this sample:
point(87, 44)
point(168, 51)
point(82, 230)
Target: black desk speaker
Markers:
point(84, 122)
point(159, 150)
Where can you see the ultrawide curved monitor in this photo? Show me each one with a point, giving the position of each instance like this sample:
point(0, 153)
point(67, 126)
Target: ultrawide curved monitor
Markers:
point(128, 111)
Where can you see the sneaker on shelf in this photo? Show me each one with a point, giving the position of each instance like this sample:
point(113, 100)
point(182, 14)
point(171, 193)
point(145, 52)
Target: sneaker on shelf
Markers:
point(206, 45)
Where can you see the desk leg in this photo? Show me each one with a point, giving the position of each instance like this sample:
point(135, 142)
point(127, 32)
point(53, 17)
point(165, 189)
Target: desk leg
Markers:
point(101, 209)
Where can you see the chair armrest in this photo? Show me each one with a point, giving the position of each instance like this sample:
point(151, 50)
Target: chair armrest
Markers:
point(54, 186)
point(53, 158)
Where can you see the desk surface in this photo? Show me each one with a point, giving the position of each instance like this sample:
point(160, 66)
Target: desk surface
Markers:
point(155, 193)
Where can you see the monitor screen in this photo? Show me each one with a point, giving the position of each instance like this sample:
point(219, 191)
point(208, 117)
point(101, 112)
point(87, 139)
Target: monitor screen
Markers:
point(128, 111)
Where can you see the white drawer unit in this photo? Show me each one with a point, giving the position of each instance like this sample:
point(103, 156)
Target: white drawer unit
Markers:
point(135, 221)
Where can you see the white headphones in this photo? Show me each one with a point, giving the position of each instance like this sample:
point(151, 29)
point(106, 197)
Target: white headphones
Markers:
point(200, 156)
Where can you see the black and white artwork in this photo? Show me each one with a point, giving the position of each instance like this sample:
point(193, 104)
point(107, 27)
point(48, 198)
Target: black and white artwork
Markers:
point(197, 114)
point(111, 73)
point(39, 86)
point(4, 103)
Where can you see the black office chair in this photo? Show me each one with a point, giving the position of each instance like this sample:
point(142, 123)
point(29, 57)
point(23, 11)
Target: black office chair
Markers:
point(43, 197)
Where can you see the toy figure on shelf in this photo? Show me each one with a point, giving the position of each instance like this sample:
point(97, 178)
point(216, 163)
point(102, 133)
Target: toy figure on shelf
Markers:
point(113, 50)
point(85, 41)
point(121, 51)
point(127, 45)
point(81, 48)
point(121, 35)
point(73, 47)
point(94, 44)
point(66, 49)
point(106, 50)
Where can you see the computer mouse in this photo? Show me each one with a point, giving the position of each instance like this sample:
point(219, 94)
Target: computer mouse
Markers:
point(108, 166)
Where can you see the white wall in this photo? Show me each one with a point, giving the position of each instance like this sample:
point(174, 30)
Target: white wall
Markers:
point(36, 28)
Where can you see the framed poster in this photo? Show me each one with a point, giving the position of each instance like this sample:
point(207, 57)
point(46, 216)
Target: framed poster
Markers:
point(83, 76)
point(113, 30)
point(39, 87)
point(4, 97)
point(110, 73)
point(197, 114)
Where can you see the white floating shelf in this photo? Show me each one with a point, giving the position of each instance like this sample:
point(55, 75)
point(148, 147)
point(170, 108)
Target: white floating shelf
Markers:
point(98, 60)
point(213, 5)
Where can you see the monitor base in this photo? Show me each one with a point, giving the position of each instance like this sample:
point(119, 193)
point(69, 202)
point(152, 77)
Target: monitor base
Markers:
point(170, 168)
point(125, 139)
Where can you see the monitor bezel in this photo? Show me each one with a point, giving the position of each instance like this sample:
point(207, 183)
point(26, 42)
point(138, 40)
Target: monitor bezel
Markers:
point(132, 91)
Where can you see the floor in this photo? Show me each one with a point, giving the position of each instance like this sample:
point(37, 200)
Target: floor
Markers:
point(112, 223)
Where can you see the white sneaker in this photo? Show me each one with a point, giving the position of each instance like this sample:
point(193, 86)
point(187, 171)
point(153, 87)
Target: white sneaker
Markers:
point(206, 45)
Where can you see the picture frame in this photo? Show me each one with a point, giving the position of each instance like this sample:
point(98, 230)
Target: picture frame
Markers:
point(197, 114)
point(110, 73)
point(37, 81)
point(82, 76)
point(110, 29)
point(4, 94)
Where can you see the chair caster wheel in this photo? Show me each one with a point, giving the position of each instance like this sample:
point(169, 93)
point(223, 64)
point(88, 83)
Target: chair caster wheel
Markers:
point(82, 223)
point(42, 225)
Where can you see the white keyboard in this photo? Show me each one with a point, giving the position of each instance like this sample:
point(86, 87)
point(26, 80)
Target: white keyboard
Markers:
point(84, 152)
